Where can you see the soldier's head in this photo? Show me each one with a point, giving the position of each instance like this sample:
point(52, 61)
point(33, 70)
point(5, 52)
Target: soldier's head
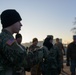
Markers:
point(10, 18)
point(48, 42)
point(50, 37)
point(35, 41)
point(74, 38)
point(18, 38)
point(57, 40)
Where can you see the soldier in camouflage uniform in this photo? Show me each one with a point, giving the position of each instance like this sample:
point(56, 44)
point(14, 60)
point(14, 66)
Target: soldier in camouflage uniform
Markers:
point(12, 55)
point(49, 57)
point(18, 38)
point(35, 70)
point(62, 50)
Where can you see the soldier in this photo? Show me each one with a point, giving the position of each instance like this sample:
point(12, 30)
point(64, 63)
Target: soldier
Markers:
point(49, 57)
point(18, 38)
point(71, 56)
point(35, 70)
point(61, 48)
point(12, 55)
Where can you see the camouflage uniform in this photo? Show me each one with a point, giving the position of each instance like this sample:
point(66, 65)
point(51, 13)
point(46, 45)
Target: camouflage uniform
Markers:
point(60, 46)
point(11, 54)
point(35, 70)
point(21, 71)
point(50, 60)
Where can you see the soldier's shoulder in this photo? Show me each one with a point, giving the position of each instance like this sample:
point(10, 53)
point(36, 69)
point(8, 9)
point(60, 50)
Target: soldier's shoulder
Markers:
point(10, 42)
point(37, 49)
point(55, 47)
point(5, 39)
point(44, 48)
point(3, 36)
point(31, 46)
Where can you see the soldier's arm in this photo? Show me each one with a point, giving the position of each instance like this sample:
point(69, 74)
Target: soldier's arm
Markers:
point(13, 53)
point(63, 49)
point(68, 55)
point(37, 55)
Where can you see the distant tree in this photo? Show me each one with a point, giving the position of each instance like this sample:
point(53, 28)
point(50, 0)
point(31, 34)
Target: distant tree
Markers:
point(74, 28)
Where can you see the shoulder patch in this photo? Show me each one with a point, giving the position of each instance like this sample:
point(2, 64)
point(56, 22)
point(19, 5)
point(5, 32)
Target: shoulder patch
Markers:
point(10, 42)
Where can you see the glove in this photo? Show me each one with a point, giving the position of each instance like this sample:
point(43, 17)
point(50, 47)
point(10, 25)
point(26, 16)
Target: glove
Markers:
point(67, 64)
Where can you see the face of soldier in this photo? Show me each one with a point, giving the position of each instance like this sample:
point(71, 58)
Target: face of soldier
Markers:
point(16, 27)
point(51, 41)
point(19, 40)
point(57, 41)
point(35, 42)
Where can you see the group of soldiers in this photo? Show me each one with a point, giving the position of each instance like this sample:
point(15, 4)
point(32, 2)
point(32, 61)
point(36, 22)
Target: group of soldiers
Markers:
point(14, 60)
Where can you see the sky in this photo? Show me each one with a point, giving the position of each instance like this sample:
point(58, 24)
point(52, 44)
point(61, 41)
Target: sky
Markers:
point(44, 17)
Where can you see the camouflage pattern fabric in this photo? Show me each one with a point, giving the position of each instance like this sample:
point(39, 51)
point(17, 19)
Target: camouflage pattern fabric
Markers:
point(21, 71)
point(35, 70)
point(50, 60)
point(61, 48)
point(11, 54)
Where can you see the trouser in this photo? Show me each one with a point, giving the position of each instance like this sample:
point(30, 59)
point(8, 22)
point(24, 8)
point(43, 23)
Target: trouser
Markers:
point(35, 70)
point(73, 67)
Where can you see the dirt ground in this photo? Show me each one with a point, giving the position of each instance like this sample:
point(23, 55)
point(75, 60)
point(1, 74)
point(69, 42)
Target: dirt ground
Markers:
point(28, 73)
point(67, 69)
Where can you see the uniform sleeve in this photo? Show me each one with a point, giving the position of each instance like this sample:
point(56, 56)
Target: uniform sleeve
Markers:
point(37, 56)
point(68, 52)
point(13, 53)
point(63, 48)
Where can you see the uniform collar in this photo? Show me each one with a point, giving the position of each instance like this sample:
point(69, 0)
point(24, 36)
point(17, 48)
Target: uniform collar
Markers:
point(6, 31)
